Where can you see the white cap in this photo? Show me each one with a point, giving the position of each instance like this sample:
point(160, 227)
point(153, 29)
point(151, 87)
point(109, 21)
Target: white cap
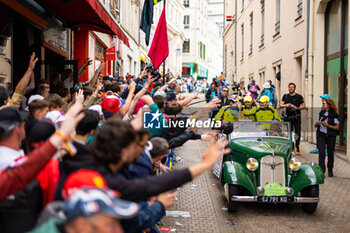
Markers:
point(96, 108)
point(160, 93)
point(35, 97)
point(55, 116)
point(267, 85)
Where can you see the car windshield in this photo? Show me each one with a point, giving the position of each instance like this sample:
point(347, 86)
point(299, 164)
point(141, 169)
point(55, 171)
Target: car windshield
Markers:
point(260, 129)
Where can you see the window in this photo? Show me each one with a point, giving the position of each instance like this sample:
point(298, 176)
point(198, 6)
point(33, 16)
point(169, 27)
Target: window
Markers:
point(114, 9)
point(278, 8)
point(203, 51)
point(186, 3)
point(262, 40)
point(200, 50)
point(186, 46)
point(242, 28)
point(300, 8)
point(187, 21)
point(251, 34)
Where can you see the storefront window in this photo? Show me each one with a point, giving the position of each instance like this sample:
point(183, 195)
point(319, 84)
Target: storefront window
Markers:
point(334, 28)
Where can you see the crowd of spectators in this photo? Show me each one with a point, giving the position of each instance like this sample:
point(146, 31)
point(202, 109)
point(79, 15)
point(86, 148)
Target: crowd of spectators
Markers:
point(75, 157)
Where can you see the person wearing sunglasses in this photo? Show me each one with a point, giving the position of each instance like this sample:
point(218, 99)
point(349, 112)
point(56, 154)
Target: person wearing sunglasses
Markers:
point(327, 132)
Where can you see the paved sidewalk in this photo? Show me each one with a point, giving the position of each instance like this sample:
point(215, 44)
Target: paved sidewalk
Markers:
point(204, 200)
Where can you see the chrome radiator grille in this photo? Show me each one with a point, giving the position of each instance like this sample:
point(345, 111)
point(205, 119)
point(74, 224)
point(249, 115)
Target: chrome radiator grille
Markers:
point(272, 170)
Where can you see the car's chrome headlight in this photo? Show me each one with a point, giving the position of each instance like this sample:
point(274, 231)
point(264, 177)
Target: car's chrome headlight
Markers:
point(294, 164)
point(252, 164)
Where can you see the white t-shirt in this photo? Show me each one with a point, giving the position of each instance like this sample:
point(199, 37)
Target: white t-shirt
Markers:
point(8, 156)
point(67, 84)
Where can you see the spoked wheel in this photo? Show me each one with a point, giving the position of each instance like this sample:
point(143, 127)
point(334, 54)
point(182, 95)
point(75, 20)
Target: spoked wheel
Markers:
point(311, 191)
point(232, 205)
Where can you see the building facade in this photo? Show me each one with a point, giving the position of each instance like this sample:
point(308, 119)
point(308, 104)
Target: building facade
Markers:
point(60, 38)
point(267, 41)
point(328, 60)
point(195, 57)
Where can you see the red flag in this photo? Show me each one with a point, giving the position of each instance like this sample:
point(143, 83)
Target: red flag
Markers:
point(159, 50)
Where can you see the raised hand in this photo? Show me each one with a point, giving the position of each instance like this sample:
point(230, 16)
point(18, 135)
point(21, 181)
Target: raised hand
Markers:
point(33, 60)
point(80, 97)
point(215, 151)
point(73, 116)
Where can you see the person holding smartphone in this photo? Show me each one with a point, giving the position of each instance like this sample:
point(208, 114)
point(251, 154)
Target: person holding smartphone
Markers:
point(327, 131)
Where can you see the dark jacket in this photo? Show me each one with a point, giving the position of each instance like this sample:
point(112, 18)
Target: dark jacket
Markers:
point(132, 190)
point(224, 102)
point(142, 167)
point(172, 132)
point(330, 120)
point(182, 138)
point(207, 95)
point(24, 207)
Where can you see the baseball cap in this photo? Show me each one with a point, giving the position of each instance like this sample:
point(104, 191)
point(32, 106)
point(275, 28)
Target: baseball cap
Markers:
point(10, 118)
point(248, 98)
point(97, 108)
point(88, 201)
point(55, 116)
point(112, 79)
point(325, 96)
point(35, 97)
point(170, 96)
point(82, 178)
point(267, 85)
point(40, 131)
point(234, 98)
point(110, 105)
point(160, 93)
point(264, 98)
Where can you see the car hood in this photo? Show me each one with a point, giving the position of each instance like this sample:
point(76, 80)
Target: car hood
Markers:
point(261, 146)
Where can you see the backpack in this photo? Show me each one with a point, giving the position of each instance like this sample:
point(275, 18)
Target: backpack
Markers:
point(253, 88)
point(269, 93)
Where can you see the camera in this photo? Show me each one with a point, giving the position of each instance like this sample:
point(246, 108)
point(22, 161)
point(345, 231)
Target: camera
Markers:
point(155, 74)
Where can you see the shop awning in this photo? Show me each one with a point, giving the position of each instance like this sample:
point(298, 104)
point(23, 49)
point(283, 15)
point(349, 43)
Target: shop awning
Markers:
point(85, 14)
point(202, 77)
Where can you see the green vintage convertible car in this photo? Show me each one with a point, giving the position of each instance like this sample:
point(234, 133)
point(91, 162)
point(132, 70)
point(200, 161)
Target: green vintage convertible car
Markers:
point(261, 168)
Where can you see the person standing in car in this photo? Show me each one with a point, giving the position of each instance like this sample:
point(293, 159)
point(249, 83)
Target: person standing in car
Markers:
point(293, 103)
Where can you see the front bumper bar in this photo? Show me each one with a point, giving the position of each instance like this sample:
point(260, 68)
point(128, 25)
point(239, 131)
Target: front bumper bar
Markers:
point(255, 199)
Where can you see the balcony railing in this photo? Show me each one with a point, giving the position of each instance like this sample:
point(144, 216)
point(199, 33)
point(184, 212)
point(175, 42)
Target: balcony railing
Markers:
point(277, 27)
point(300, 8)
point(262, 39)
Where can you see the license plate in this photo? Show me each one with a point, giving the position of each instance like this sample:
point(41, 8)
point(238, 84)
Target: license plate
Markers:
point(275, 199)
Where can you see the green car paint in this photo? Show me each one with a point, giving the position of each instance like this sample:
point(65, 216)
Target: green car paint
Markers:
point(238, 174)
point(235, 170)
point(308, 174)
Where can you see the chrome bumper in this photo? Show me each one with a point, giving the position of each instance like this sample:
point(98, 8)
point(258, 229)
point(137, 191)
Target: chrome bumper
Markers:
point(306, 199)
point(255, 199)
point(244, 198)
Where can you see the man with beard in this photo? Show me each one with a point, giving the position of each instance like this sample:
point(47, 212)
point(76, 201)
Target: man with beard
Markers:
point(293, 103)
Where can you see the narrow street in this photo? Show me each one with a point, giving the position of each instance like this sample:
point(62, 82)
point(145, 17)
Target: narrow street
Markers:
point(203, 199)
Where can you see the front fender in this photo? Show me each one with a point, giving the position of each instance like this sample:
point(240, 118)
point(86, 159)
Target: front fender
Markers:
point(235, 173)
point(308, 174)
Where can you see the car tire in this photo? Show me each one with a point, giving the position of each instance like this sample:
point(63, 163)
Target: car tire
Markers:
point(310, 191)
point(232, 205)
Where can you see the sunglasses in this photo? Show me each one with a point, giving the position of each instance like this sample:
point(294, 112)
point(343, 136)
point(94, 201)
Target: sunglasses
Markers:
point(225, 90)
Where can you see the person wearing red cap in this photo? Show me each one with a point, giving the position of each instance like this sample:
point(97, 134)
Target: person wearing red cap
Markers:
point(84, 179)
